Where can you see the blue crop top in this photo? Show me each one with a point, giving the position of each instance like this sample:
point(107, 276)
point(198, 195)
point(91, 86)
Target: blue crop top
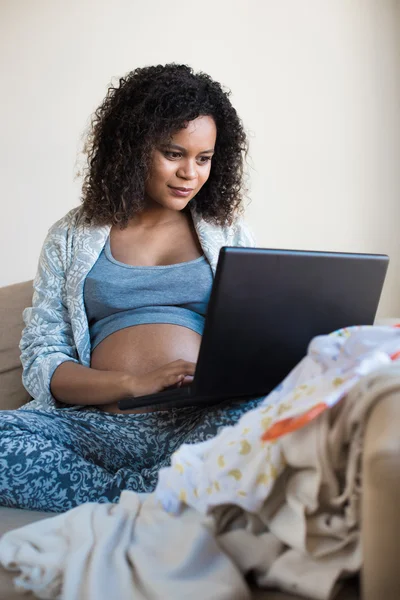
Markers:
point(118, 295)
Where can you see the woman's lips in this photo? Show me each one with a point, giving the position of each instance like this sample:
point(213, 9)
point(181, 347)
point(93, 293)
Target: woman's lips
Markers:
point(181, 192)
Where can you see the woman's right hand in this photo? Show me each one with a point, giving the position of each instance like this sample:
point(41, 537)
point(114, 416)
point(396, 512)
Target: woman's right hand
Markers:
point(174, 373)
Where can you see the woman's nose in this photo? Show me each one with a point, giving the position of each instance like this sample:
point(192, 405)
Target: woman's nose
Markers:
point(187, 170)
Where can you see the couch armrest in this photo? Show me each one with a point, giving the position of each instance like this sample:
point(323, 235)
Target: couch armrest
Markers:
point(381, 501)
point(13, 300)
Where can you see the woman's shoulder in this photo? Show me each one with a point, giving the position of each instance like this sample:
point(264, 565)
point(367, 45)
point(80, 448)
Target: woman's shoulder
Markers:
point(71, 237)
point(70, 221)
point(73, 227)
point(242, 233)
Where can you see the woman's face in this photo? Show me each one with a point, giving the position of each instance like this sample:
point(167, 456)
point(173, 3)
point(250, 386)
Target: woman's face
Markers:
point(181, 167)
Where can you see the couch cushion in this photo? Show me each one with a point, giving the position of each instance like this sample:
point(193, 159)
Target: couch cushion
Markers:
point(13, 300)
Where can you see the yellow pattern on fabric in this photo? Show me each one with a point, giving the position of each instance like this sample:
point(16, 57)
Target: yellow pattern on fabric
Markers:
point(236, 474)
point(245, 447)
point(266, 422)
point(284, 407)
point(262, 479)
point(221, 461)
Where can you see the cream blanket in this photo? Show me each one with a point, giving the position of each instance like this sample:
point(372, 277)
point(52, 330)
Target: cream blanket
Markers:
point(304, 538)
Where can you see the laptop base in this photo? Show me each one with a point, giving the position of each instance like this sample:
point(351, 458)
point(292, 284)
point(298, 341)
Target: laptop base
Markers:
point(167, 400)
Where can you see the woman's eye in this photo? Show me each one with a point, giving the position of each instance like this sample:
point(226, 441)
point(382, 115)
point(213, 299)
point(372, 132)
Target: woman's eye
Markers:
point(204, 159)
point(173, 155)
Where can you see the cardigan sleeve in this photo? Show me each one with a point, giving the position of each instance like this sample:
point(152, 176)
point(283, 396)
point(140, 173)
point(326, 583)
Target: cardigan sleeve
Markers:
point(47, 339)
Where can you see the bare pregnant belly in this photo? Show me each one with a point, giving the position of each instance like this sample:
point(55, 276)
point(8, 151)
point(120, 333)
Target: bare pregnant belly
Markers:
point(143, 348)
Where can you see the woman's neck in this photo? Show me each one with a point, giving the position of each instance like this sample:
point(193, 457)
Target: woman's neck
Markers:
point(153, 218)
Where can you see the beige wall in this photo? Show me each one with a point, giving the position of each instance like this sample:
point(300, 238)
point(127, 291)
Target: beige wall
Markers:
point(317, 83)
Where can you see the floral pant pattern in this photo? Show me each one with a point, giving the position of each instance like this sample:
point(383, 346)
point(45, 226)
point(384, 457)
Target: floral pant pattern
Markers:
point(54, 460)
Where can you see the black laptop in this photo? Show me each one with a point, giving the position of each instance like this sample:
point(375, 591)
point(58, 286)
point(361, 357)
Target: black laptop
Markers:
point(265, 307)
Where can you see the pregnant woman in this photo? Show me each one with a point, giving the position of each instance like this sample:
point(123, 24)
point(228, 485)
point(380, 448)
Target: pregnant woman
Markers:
point(121, 294)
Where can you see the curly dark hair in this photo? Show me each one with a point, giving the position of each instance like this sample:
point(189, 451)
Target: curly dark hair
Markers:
point(148, 106)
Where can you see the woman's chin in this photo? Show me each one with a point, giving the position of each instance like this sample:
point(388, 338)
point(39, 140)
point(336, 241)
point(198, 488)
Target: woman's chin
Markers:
point(170, 202)
point(173, 203)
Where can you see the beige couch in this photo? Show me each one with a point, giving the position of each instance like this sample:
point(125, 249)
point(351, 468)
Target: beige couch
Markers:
point(381, 472)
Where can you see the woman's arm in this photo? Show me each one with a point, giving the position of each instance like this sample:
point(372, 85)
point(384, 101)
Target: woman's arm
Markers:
point(47, 339)
point(47, 342)
point(75, 384)
point(51, 368)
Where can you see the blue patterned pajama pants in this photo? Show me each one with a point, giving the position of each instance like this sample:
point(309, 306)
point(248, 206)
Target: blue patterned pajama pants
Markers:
point(54, 460)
